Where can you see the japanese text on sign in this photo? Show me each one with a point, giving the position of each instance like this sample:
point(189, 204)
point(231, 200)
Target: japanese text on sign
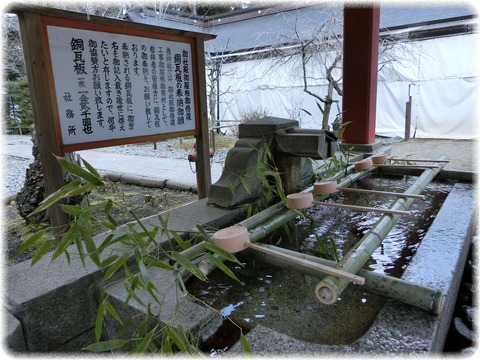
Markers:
point(114, 86)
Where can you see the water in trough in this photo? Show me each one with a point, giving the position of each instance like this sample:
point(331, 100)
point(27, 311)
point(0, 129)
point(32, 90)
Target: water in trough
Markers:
point(284, 300)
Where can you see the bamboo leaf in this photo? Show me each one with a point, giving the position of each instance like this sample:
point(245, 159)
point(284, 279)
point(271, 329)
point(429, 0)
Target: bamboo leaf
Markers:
point(151, 290)
point(222, 267)
point(217, 250)
point(32, 240)
point(80, 250)
point(177, 340)
point(107, 242)
point(73, 210)
point(91, 168)
point(203, 231)
point(179, 240)
point(108, 206)
point(167, 346)
point(79, 171)
point(66, 241)
point(108, 261)
point(83, 189)
point(111, 310)
point(188, 265)
point(113, 268)
point(46, 245)
point(125, 326)
point(143, 346)
point(245, 346)
point(109, 225)
point(99, 321)
point(144, 272)
point(92, 250)
point(134, 295)
point(107, 345)
point(157, 263)
point(53, 198)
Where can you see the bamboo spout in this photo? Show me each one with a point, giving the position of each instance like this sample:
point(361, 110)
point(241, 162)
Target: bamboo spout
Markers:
point(331, 287)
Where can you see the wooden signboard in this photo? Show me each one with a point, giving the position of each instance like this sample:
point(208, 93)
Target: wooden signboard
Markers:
point(115, 86)
point(99, 82)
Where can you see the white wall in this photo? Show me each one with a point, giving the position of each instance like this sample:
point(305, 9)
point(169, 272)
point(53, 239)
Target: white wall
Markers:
point(443, 71)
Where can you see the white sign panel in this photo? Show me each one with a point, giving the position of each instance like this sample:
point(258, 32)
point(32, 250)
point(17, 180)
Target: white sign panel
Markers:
point(114, 86)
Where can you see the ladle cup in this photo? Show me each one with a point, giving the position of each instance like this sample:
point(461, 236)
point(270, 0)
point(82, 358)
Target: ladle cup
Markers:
point(235, 238)
point(304, 200)
point(330, 187)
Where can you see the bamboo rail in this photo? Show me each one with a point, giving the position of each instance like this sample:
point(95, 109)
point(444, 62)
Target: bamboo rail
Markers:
point(330, 288)
point(283, 217)
point(421, 297)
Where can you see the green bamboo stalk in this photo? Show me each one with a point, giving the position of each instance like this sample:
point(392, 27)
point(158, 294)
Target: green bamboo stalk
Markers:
point(330, 288)
point(421, 297)
point(284, 215)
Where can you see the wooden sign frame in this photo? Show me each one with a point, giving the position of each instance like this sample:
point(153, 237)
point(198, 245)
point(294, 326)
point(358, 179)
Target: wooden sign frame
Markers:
point(33, 21)
point(122, 34)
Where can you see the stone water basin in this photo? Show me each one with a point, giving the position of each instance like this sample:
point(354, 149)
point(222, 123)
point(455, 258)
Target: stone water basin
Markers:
point(284, 300)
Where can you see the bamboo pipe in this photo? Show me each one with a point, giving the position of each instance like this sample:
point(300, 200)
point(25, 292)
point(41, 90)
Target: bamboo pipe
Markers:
point(272, 224)
point(421, 297)
point(330, 288)
point(381, 192)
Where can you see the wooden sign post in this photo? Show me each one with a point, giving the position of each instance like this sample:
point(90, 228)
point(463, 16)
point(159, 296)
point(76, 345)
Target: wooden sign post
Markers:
point(98, 82)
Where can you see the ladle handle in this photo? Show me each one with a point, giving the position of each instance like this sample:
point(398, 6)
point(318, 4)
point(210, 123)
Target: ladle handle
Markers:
point(363, 208)
point(310, 264)
point(381, 192)
point(407, 166)
point(419, 160)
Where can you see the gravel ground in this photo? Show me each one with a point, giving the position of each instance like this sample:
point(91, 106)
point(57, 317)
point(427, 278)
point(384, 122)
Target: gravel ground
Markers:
point(462, 154)
point(14, 168)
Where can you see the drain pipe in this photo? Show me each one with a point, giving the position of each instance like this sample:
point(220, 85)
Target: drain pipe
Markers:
point(330, 288)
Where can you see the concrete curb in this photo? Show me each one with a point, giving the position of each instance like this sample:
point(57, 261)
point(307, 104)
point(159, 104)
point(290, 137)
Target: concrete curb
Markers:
point(135, 180)
point(150, 182)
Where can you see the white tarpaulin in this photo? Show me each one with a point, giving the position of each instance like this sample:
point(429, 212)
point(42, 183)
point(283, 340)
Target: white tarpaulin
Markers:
point(440, 75)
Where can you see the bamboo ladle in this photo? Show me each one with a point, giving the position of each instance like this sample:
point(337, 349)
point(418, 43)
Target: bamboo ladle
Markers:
point(305, 200)
point(380, 160)
point(330, 187)
point(235, 238)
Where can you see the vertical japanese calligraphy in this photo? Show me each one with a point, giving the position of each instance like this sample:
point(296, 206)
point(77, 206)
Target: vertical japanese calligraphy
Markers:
point(113, 86)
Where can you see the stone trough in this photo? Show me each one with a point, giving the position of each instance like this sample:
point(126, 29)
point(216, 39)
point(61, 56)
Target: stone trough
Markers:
point(51, 307)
